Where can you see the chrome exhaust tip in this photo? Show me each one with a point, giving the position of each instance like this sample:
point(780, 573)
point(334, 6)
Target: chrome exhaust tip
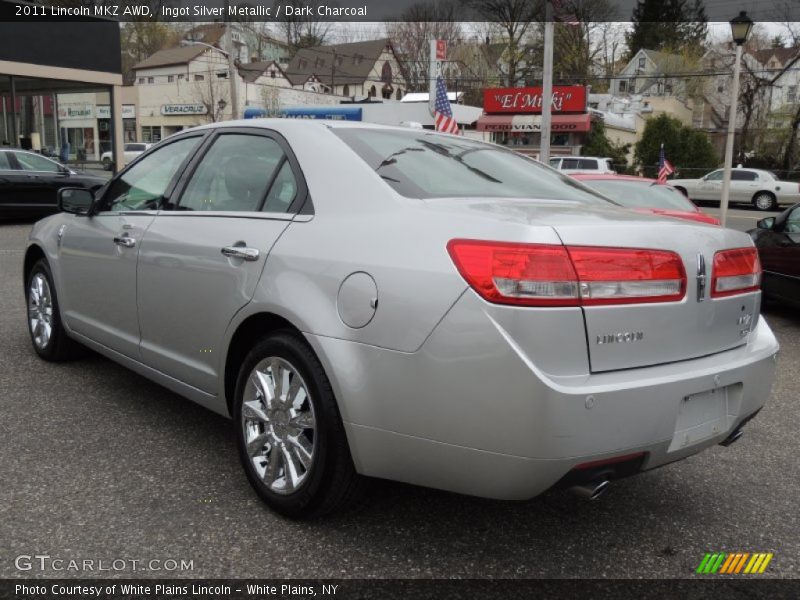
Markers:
point(734, 437)
point(593, 490)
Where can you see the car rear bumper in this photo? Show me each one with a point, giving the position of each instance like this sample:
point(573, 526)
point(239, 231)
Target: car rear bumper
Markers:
point(471, 413)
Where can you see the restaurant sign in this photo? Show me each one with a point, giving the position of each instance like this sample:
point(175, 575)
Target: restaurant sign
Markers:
point(566, 99)
point(183, 109)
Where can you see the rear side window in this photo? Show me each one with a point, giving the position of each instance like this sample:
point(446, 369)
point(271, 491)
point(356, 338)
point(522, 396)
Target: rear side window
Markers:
point(744, 176)
point(419, 164)
point(34, 162)
point(570, 163)
point(237, 172)
point(588, 163)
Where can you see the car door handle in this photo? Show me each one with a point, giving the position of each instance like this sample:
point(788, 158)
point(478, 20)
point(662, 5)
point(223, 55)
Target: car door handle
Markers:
point(125, 241)
point(240, 252)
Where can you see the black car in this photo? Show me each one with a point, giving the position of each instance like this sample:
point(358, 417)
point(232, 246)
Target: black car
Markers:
point(29, 183)
point(778, 243)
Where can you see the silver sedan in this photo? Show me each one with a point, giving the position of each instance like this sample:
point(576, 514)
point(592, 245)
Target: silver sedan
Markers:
point(369, 301)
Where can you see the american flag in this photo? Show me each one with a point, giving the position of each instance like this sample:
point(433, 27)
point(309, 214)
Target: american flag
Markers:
point(664, 167)
point(442, 113)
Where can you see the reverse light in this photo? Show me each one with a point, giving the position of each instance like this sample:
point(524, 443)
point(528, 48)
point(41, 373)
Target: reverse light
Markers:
point(736, 271)
point(555, 275)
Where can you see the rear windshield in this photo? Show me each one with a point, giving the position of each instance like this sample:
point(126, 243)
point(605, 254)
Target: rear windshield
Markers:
point(641, 194)
point(420, 164)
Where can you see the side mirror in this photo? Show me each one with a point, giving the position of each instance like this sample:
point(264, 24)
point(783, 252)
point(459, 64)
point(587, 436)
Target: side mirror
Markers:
point(767, 223)
point(77, 201)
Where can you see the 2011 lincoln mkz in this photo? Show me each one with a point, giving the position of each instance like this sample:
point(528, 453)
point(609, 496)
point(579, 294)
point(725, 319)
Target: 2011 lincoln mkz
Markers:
point(369, 301)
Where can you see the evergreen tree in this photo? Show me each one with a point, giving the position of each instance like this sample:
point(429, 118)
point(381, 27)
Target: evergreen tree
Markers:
point(598, 144)
point(684, 147)
point(667, 25)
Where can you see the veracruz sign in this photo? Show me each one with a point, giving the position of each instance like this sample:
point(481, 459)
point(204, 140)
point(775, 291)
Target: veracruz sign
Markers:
point(566, 99)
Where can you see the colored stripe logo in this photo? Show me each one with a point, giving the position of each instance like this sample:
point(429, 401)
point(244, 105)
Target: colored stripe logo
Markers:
point(734, 563)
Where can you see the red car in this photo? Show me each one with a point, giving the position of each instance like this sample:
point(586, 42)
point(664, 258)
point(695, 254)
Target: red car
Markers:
point(645, 195)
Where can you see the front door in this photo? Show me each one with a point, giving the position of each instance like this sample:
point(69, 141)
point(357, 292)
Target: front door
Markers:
point(710, 187)
point(98, 253)
point(779, 250)
point(201, 261)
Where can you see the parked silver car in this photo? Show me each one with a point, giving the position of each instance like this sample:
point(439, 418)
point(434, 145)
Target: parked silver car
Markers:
point(761, 188)
point(396, 303)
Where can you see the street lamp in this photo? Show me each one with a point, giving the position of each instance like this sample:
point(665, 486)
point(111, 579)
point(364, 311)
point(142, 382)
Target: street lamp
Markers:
point(741, 26)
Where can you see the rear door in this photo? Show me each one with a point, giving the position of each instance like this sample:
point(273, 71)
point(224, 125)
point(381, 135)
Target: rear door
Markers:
point(201, 259)
point(13, 197)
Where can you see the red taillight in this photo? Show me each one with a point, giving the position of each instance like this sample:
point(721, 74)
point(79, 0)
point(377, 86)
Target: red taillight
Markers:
point(554, 275)
point(736, 271)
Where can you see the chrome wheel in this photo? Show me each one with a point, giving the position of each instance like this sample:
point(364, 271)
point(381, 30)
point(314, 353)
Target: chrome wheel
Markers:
point(40, 310)
point(278, 423)
point(764, 202)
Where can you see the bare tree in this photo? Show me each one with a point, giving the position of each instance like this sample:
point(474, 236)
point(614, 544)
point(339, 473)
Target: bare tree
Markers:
point(301, 31)
point(412, 33)
point(213, 92)
point(512, 19)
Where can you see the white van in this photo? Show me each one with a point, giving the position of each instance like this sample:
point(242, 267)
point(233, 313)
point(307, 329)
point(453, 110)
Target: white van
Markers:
point(582, 164)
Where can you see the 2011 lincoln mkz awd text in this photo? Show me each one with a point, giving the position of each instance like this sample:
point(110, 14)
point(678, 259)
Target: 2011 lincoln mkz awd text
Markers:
point(397, 303)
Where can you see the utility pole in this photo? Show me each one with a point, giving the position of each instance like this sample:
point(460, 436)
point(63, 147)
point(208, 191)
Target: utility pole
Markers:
point(432, 66)
point(333, 73)
point(726, 177)
point(547, 84)
point(232, 74)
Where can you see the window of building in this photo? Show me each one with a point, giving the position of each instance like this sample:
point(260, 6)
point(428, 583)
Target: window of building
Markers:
point(198, 77)
point(373, 92)
point(623, 86)
point(399, 94)
point(272, 74)
point(141, 79)
point(222, 74)
point(151, 134)
point(303, 63)
point(642, 61)
point(791, 94)
point(346, 90)
point(170, 78)
point(151, 80)
point(357, 58)
point(320, 62)
point(386, 72)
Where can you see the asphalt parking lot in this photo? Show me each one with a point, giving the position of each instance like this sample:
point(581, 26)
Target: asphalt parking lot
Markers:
point(99, 463)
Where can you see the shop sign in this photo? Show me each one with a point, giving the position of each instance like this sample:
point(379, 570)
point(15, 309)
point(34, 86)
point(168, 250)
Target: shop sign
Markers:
point(566, 99)
point(104, 111)
point(183, 109)
point(75, 111)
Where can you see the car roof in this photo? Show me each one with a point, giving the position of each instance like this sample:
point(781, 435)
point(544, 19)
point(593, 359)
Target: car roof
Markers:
point(612, 176)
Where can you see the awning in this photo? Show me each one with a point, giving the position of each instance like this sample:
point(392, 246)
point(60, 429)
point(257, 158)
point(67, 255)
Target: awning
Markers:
point(526, 123)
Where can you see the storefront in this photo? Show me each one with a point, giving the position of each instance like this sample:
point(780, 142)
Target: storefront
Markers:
point(513, 117)
point(170, 119)
point(104, 125)
point(48, 91)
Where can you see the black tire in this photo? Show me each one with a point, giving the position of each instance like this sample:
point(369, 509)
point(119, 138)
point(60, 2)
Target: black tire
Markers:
point(760, 201)
point(60, 347)
point(331, 483)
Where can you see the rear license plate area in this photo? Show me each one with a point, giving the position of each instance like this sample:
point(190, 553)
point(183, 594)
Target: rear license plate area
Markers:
point(702, 416)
